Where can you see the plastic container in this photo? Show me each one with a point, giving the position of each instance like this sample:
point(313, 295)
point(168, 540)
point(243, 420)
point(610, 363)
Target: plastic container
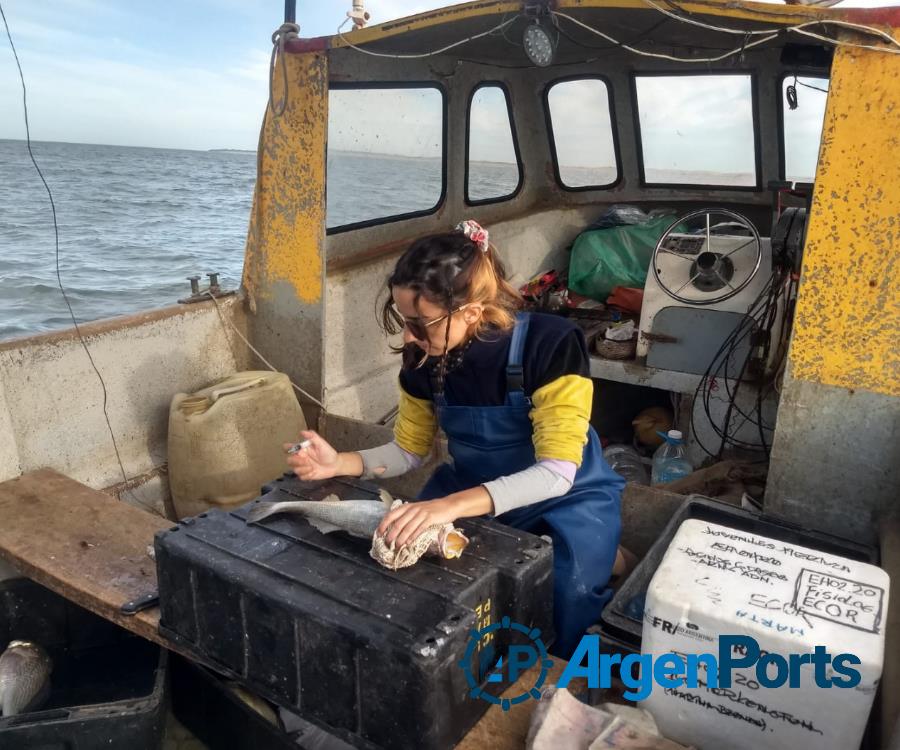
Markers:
point(312, 623)
point(715, 580)
point(226, 440)
point(204, 703)
point(621, 623)
point(107, 688)
point(670, 459)
point(626, 462)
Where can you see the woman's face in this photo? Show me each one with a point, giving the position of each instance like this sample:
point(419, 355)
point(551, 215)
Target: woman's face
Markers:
point(419, 314)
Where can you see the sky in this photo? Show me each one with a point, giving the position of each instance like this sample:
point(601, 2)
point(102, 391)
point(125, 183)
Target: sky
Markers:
point(193, 74)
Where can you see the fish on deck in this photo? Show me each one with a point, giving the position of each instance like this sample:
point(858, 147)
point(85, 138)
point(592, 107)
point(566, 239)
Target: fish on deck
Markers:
point(361, 518)
point(24, 677)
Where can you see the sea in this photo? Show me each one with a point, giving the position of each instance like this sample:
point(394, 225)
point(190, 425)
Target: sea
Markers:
point(134, 223)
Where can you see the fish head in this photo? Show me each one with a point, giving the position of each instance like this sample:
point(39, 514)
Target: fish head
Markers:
point(30, 653)
point(452, 542)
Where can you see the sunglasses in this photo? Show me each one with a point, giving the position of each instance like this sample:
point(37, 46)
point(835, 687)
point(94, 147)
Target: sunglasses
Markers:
point(419, 328)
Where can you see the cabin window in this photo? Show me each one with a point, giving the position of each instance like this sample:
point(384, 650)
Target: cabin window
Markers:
point(494, 170)
point(385, 154)
point(581, 133)
point(697, 130)
point(803, 126)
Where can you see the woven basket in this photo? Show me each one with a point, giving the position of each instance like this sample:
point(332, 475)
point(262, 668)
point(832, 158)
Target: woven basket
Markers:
point(616, 349)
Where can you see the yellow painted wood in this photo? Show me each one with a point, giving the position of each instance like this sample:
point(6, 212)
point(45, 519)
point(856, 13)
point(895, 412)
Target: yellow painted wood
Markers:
point(847, 329)
point(762, 12)
point(285, 241)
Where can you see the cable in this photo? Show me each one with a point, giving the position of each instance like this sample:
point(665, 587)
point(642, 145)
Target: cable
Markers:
point(763, 310)
point(659, 55)
point(797, 27)
point(808, 86)
point(490, 31)
point(256, 352)
point(765, 35)
point(58, 274)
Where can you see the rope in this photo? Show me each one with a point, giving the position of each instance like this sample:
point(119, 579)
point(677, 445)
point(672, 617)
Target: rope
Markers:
point(256, 352)
point(280, 37)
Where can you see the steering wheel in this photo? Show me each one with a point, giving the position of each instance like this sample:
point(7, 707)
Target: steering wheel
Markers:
point(707, 261)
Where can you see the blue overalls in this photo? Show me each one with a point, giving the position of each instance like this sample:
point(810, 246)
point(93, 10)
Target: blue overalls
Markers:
point(487, 442)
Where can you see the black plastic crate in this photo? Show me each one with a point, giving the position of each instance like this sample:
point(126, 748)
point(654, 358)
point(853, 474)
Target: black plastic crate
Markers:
point(621, 622)
point(204, 703)
point(312, 623)
point(108, 687)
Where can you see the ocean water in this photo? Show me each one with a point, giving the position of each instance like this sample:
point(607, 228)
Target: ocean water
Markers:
point(135, 222)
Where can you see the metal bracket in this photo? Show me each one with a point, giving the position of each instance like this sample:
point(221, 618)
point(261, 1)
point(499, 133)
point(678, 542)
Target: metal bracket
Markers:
point(540, 9)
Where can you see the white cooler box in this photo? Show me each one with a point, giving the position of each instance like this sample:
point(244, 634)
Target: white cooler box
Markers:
point(717, 581)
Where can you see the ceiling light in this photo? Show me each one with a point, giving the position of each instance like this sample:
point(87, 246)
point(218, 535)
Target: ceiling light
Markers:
point(538, 45)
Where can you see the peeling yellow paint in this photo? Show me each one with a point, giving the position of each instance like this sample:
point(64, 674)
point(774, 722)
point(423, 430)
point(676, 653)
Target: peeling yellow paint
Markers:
point(285, 240)
point(847, 327)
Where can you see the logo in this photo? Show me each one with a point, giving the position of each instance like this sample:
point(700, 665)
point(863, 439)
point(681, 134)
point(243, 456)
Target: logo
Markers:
point(689, 629)
point(737, 656)
point(519, 658)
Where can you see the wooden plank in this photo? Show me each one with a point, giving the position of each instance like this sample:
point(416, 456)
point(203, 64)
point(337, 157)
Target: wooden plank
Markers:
point(92, 549)
point(81, 543)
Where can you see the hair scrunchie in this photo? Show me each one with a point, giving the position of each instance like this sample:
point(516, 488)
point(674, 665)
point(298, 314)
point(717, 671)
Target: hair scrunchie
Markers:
point(475, 232)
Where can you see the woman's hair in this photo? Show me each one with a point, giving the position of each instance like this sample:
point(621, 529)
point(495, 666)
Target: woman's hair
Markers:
point(450, 270)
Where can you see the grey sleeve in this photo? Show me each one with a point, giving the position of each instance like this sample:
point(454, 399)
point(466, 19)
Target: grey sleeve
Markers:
point(525, 487)
point(385, 461)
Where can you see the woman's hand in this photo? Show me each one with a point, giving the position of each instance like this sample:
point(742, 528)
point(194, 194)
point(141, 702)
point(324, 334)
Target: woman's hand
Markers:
point(318, 461)
point(411, 519)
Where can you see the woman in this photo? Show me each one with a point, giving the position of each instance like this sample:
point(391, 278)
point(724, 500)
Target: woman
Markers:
point(513, 394)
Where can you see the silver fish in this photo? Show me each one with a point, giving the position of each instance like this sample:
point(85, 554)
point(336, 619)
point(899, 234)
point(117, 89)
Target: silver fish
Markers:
point(357, 517)
point(24, 677)
point(362, 518)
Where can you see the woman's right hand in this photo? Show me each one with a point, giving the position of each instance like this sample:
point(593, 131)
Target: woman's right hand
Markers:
point(318, 461)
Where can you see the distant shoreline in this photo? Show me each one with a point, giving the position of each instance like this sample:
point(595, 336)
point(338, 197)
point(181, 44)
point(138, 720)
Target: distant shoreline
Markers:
point(659, 176)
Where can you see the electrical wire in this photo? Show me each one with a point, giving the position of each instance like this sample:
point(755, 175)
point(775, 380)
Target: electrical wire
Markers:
point(796, 27)
point(809, 86)
point(58, 274)
point(765, 35)
point(760, 317)
point(418, 56)
point(662, 56)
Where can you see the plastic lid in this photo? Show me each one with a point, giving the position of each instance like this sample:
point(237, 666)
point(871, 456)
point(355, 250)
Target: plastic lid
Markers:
point(675, 434)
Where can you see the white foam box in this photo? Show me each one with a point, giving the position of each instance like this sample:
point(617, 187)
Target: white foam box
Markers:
point(713, 581)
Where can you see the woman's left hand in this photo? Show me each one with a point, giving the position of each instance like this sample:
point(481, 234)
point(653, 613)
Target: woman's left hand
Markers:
point(411, 519)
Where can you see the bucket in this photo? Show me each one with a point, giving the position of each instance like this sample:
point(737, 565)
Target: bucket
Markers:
point(225, 441)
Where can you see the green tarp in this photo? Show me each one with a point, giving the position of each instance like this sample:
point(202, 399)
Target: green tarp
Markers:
point(619, 256)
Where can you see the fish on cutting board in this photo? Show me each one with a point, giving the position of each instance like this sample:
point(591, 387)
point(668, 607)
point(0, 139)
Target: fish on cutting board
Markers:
point(361, 518)
point(24, 677)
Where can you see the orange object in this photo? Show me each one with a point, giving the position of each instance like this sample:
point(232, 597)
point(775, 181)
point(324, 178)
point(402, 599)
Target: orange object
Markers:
point(626, 299)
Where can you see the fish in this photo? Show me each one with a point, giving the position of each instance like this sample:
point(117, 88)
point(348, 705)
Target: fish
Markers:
point(361, 518)
point(24, 677)
point(253, 702)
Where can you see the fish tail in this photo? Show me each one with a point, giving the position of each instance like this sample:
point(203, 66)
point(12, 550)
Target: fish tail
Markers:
point(261, 511)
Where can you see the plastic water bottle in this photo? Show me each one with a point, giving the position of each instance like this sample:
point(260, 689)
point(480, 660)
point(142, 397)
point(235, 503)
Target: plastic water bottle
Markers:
point(670, 460)
point(626, 462)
